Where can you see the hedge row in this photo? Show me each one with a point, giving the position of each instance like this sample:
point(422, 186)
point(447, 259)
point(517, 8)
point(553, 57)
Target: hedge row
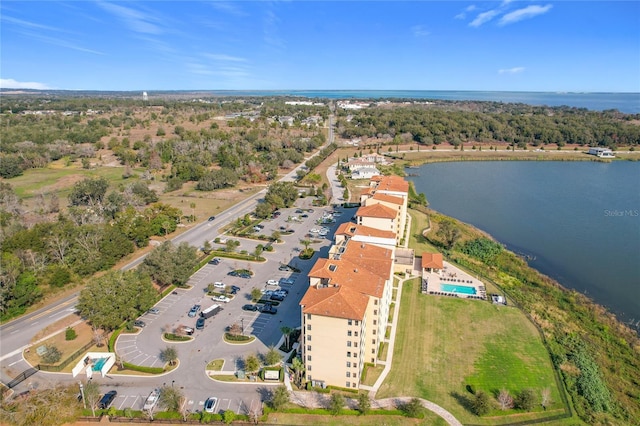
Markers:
point(143, 369)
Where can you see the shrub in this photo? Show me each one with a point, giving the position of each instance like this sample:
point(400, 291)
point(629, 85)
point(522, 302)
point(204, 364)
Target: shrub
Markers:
point(280, 398)
point(336, 402)
point(70, 334)
point(481, 404)
point(52, 355)
point(413, 408)
point(526, 399)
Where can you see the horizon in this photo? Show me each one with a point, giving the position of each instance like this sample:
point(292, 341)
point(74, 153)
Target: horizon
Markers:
point(502, 46)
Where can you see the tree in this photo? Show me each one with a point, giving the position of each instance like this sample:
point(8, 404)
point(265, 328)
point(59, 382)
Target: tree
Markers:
point(251, 363)
point(272, 357)
point(298, 370)
point(235, 329)
point(286, 332)
point(116, 297)
point(279, 398)
point(169, 354)
point(52, 355)
point(228, 416)
point(449, 232)
point(364, 403)
point(545, 397)
point(88, 192)
point(336, 402)
point(505, 400)
point(526, 399)
point(206, 247)
point(281, 194)
point(168, 264)
point(413, 408)
point(256, 294)
point(91, 393)
point(481, 404)
point(231, 245)
point(171, 398)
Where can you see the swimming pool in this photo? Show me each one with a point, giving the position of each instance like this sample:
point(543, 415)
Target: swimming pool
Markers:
point(97, 365)
point(462, 289)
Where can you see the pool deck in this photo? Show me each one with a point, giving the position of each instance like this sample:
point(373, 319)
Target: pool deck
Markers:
point(454, 276)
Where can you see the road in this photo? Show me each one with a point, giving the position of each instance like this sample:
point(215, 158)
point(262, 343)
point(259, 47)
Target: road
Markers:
point(15, 336)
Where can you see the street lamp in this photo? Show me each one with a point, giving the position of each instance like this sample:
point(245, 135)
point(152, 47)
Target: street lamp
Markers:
point(242, 326)
point(172, 382)
point(84, 403)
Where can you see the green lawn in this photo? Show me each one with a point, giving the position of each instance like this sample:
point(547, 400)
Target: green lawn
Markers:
point(419, 222)
point(451, 343)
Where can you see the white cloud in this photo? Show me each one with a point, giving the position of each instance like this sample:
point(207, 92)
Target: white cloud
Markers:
point(470, 8)
point(9, 83)
point(419, 31)
point(29, 24)
point(524, 13)
point(228, 7)
point(136, 20)
point(463, 15)
point(514, 70)
point(223, 57)
point(483, 18)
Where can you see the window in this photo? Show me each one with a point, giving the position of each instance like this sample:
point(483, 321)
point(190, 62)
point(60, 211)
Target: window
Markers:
point(355, 344)
point(348, 364)
point(373, 341)
point(308, 327)
point(355, 375)
point(308, 357)
point(348, 354)
point(309, 376)
point(349, 333)
point(375, 312)
point(308, 337)
point(308, 317)
point(355, 333)
point(355, 365)
point(309, 347)
point(355, 355)
point(375, 322)
point(372, 360)
point(349, 344)
point(375, 301)
point(356, 322)
point(348, 374)
point(354, 384)
point(349, 322)
point(373, 351)
point(348, 384)
point(373, 331)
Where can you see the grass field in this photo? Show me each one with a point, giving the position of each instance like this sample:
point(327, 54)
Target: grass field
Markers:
point(419, 222)
point(429, 419)
point(444, 344)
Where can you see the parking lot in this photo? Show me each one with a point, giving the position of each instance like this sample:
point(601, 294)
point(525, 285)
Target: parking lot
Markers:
point(207, 344)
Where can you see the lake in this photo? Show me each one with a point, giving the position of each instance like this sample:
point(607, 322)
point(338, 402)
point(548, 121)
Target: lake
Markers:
point(578, 221)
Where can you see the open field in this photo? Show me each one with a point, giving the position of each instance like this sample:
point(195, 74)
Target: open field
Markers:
point(368, 420)
point(445, 344)
point(420, 222)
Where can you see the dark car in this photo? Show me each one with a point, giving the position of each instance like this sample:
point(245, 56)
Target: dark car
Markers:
point(245, 276)
point(305, 216)
point(249, 308)
point(283, 268)
point(298, 211)
point(235, 289)
point(200, 323)
point(107, 399)
point(233, 273)
point(212, 218)
point(139, 323)
point(268, 308)
point(278, 297)
point(214, 261)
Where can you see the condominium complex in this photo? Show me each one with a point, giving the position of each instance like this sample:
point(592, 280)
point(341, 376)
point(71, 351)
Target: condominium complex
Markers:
point(345, 310)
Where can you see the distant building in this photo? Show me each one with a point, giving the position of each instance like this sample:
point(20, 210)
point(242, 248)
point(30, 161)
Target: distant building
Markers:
point(365, 173)
point(145, 97)
point(602, 152)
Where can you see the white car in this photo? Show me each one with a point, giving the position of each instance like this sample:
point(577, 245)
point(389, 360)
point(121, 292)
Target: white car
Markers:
point(221, 298)
point(218, 284)
point(210, 404)
point(314, 231)
point(323, 233)
point(272, 282)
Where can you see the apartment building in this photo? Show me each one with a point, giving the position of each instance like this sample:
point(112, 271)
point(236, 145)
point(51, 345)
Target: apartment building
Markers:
point(391, 192)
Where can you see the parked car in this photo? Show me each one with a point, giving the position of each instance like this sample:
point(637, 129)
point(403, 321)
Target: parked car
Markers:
point(283, 291)
point(235, 289)
point(277, 296)
point(233, 273)
point(244, 275)
point(283, 268)
point(151, 400)
point(183, 329)
point(212, 218)
point(107, 399)
point(286, 281)
point(200, 323)
point(272, 282)
point(268, 308)
point(218, 284)
point(249, 307)
point(139, 323)
point(221, 298)
point(214, 261)
point(298, 211)
point(305, 216)
point(194, 310)
point(210, 404)
point(153, 311)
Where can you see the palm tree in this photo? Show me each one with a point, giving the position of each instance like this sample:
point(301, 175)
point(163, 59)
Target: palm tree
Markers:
point(298, 368)
point(286, 331)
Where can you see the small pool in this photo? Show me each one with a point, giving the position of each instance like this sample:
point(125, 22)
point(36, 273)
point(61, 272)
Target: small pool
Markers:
point(98, 364)
point(462, 289)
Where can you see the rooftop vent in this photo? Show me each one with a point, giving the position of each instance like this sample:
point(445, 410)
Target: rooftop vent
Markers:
point(333, 268)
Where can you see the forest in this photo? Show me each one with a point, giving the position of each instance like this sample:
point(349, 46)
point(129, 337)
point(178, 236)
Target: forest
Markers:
point(491, 122)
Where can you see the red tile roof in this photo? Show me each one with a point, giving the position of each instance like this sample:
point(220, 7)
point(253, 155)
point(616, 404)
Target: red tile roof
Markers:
point(388, 198)
point(377, 210)
point(337, 302)
point(346, 273)
point(352, 229)
point(393, 183)
point(432, 260)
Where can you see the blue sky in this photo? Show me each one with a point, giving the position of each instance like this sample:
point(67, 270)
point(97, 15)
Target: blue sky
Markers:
point(306, 45)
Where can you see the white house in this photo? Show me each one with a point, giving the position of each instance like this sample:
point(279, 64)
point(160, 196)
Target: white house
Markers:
point(365, 173)
point(601, 152)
